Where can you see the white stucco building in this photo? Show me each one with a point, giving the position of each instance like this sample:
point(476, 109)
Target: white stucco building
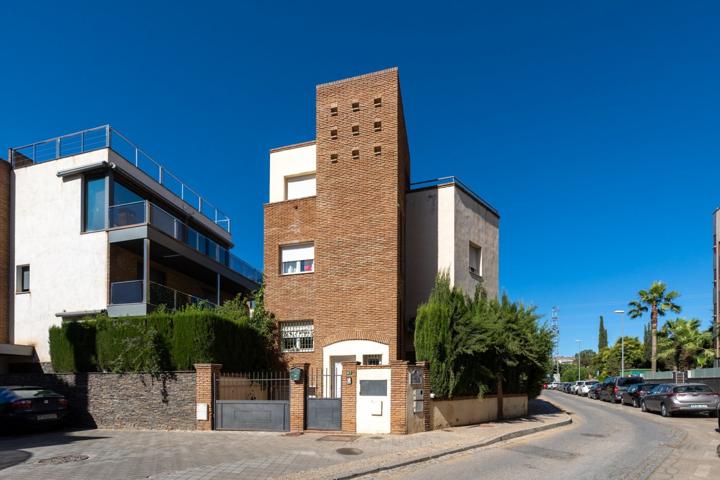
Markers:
point(96, 225)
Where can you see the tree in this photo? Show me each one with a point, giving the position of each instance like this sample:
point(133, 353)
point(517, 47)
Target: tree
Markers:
point(647, 343)
point(609, 360)
point(682, 344)
point(602, 335)
point(658, 301)
point(587, 357)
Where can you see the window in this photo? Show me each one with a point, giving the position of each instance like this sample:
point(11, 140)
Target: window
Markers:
point(356, 106)
point(355, 154)
point(297, 258)
point(299, 187)
point(333, 110)
point(377, 102)
point(355, 129)
point(333, 158)
point(475, 259)
point(23, 279)
point(94, 204)
point(377, 150)
point(375, 359)
point(377, 126)
point(333, 134)
point(296, 336)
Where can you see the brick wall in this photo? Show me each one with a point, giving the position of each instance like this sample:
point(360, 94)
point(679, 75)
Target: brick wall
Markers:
point(4, 251)
point(131, 401)
point(205, 392)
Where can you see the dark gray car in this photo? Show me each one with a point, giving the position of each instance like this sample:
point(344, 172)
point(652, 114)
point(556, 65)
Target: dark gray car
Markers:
point(671, 398)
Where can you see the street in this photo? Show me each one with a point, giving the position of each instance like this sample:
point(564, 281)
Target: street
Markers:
point(606, 441)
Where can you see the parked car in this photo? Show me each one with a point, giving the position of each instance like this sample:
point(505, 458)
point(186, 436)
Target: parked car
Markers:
point(635, 393)
point(584, 390)
point(566, 387)
point(574, 386)
point(22, 406)
point(613, 387)
point(671, 398)
point(594, 391)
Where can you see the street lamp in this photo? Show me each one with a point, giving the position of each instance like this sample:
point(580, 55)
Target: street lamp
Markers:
point(622, 341)
point(578, 342)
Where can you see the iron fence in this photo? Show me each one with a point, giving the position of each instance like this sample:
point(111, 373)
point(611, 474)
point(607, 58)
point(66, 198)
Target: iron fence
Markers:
point(324, 384)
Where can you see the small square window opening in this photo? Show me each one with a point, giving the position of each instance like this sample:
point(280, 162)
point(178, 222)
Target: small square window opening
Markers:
point(23, 279)
point(333, 134)
point(355, 130)
point(355, 154)
point(377, 102)
point(333, 110)
point(355, 106)
point(377, 150)
point(333, 158)
point(377, 126)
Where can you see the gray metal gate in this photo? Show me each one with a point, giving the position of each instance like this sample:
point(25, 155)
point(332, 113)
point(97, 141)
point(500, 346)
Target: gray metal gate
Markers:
point(252, 401)
point(324, 401)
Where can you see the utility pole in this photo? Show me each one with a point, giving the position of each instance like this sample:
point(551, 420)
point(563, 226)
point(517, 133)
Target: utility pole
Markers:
point(556, 335)
point(578, 342)
point(622, 341)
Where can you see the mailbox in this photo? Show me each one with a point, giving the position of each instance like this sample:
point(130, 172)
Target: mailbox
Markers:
point(296, 374)
point(417, 394)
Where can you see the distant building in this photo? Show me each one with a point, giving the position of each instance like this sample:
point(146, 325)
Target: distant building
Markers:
point(564, 360)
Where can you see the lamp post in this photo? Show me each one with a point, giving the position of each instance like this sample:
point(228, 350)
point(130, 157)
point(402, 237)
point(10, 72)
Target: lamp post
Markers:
point(622, 341)
point(578, 342)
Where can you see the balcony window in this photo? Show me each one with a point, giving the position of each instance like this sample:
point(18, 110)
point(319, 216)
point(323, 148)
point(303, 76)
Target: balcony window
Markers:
point(475, 255)
point(300, 187)
point(296, 336)
point(297, 258)
point(94, 204)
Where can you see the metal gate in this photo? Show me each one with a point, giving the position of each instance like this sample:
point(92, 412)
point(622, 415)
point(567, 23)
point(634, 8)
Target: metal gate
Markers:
point(252, 401)
point(324, 401)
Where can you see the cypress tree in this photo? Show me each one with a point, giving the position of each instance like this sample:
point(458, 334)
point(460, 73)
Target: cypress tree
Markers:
point(602, 335)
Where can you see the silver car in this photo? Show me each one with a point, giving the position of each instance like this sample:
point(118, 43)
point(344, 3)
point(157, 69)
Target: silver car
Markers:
point(670, 398)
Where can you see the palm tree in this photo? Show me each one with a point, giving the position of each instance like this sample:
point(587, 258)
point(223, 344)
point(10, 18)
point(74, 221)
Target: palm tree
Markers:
point(659, 302)
point(682, 343)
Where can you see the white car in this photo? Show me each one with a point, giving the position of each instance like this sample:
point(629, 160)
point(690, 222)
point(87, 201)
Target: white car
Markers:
point(574, 387)
point(585, 388)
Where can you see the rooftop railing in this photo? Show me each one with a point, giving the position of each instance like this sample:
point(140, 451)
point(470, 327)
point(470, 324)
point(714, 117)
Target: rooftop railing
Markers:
point(448, 180)
point(106, 136)
point(142, 212)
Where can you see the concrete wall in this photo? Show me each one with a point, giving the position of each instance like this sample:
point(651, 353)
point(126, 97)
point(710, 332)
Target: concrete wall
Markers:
point(471, 411)
point(131, 401)
point(48, 237)
point(373, 413)
point(289, 162)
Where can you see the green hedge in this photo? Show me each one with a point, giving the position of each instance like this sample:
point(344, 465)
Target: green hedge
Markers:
point(159, 341)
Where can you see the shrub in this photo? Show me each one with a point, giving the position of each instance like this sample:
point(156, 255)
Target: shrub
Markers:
point(72, 347)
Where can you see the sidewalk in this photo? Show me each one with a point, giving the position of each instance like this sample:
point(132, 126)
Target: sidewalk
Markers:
point(233, 455)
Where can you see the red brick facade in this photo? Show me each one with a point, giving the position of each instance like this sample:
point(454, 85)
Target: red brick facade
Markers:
point(4, 251)
point(356, 221)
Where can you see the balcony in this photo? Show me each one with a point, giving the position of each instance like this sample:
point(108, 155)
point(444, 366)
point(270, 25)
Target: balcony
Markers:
point(131, 292)
point(107, 137)
point(147, 213)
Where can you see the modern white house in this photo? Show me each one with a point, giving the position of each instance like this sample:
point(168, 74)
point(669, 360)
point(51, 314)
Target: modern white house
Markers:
point(96, 225)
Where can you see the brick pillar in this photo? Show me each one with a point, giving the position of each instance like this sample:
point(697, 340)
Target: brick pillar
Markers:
point(398, 396)
point(205, 374)
point(427, 402)
point(298, 393)
point(349, 397)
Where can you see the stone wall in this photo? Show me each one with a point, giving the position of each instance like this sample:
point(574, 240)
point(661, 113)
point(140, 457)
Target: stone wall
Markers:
point(124, 401)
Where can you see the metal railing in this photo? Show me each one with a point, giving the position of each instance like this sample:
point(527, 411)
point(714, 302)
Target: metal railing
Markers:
point(106, 136)
point(144, 211)
point(448, 180)
point(131, 291)
point(253, 386)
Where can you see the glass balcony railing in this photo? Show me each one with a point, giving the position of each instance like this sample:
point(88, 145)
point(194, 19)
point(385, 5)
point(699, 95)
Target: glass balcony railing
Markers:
point(131, 291)
point(106, 136)
point(136, 213)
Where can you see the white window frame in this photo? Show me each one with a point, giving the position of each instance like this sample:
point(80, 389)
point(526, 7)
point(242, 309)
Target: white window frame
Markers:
point(287, 257)
point(298, 331)
point(20, 279)
point(478, 268)
point(305, 177)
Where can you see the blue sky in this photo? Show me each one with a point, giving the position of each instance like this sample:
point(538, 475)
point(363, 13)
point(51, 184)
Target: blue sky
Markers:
point(591, 126)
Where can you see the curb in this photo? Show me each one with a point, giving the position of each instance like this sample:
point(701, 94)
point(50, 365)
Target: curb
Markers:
point(484, 443)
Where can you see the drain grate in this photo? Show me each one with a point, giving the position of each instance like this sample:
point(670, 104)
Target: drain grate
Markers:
point(349, 451)
point(338, 438)
point(60, 459)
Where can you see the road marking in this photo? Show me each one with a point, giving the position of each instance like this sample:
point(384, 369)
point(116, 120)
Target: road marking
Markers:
point(702, 471)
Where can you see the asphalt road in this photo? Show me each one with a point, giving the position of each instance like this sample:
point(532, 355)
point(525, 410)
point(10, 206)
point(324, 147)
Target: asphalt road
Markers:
point(605, 442)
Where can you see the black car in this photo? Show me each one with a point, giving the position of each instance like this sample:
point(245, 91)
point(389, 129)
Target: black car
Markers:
point(613, 387)
point(635, 393)
point(594, 391)
point(27, 405)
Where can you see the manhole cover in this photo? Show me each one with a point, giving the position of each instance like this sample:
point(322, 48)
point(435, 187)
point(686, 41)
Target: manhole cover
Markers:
point(338, 438)
point(349, 451)
point(63, 459)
